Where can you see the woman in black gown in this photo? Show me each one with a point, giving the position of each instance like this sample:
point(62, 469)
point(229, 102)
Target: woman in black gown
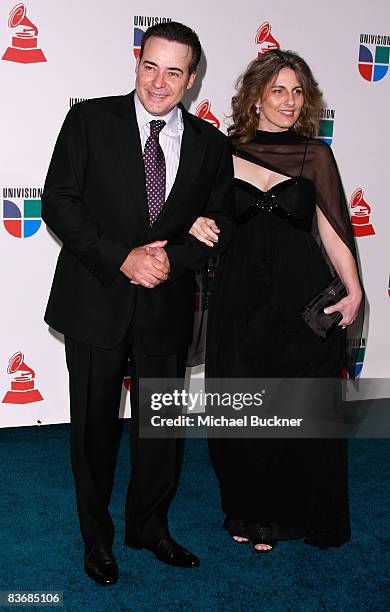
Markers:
point(293, 229)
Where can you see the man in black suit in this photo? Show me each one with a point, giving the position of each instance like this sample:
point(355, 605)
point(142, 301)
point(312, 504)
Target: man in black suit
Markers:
point(128, 178)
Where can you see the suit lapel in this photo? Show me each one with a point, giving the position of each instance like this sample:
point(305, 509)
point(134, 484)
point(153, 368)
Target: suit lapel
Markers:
point(124, 129)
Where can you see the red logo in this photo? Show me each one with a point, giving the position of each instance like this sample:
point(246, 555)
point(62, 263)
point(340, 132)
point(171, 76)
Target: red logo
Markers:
point(129, 371)
point(24, 48)
point(360, 215)
point(203, 111)
point(265, 39)
point(23, 384)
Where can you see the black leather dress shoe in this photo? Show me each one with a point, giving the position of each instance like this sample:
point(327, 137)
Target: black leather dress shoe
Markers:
point(100, 565)
point(169, 551)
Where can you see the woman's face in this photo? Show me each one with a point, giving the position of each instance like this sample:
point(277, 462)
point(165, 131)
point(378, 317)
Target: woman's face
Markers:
point(281, 102)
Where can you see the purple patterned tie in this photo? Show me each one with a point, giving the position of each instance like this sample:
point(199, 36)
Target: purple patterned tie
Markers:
point(154, 161)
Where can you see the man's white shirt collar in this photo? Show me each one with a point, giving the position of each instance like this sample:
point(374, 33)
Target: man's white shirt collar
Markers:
point(174, 119)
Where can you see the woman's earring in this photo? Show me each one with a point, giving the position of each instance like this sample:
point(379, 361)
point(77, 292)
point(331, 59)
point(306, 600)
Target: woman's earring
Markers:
point(257, 109)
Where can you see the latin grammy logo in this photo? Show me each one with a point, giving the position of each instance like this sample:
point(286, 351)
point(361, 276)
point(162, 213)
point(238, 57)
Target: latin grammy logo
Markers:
point(265, 39)
point(360, 215)
point(203, 111)
point(24, 49)
point(129, 372)
point(23, 385)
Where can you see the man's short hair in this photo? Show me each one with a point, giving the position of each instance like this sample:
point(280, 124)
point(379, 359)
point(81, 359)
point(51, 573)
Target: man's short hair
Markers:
point(176, 32)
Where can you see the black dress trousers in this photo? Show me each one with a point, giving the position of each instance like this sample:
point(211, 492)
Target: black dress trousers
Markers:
point(95, 378)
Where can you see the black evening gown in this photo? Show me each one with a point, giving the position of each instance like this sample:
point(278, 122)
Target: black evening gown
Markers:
point(274, 266)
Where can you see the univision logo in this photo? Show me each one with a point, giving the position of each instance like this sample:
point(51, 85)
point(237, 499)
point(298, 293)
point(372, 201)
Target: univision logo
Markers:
point(141, 24)
point(357, 349)
point(73, 101)
point(326, 126)
point(22, 215)
point(357, 353)
point(374, 52)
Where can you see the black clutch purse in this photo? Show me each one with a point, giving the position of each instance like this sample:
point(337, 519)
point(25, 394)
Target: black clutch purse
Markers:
point(313, 313)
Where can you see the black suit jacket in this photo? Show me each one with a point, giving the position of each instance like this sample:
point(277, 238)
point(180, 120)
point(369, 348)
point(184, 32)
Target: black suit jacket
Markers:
point(95, 201)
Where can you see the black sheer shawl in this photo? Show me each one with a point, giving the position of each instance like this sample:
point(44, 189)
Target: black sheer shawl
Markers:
point(294, 155)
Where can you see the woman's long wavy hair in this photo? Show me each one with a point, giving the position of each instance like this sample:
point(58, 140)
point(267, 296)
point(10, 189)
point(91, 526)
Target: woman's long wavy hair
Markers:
point(252, 84)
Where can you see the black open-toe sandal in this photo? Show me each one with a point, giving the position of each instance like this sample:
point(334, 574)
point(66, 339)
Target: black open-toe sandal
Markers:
point(255, 533)
point(236, 527)
point(263, 535)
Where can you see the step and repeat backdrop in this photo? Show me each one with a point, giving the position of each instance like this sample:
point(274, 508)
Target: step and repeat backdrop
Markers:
point(56, 53)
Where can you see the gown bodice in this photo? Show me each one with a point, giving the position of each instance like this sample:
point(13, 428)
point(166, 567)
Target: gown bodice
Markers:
point(292, 200)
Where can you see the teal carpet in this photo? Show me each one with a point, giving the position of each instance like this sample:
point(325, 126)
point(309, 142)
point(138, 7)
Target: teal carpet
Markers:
point(41, 547)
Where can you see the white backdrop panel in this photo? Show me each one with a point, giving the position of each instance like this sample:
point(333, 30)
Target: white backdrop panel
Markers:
point(89, 50)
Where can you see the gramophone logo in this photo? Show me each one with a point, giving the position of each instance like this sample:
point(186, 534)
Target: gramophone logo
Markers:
point(23, 389)
point(22, 217)
point(24, 48)
point(360, 215)
point(326, 127)
point(127, 376)
point(204, 112)
point(141, 24)
point(265, 39)
point(374, 52)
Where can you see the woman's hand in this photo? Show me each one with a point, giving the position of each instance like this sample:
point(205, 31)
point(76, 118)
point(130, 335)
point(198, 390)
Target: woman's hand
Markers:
point(345, 265)
point(205, 230)
point(348, 306)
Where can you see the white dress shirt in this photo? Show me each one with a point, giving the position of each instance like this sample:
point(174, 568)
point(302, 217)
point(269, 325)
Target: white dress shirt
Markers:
point(170, 138)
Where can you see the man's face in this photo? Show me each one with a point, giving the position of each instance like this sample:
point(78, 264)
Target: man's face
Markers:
point(163, 75)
